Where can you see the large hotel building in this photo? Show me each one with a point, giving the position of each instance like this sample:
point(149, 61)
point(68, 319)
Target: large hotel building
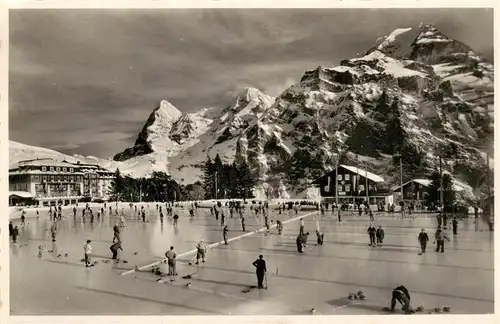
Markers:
point(47, 182)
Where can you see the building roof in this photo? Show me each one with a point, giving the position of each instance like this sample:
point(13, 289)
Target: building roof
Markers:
point(362, 172)
point(22, 194)
point(42, 162)
point(426, 183)
point(56, 163)
point(371, 176)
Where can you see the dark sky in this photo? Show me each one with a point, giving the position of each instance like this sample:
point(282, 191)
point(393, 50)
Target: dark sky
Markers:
point(85, 81)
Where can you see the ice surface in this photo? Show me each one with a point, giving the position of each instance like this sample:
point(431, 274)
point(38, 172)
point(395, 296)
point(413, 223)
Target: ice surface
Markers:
point(322, 277)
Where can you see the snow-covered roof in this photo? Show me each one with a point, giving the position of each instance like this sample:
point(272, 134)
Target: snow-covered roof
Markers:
point(45, 162)
point(427, 182)
point(22, 194)
point(371, 176)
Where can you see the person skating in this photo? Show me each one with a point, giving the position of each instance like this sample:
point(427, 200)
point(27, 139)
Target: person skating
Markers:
point(222, 217)
point(455, 225)
point(143, 215)
point(298, 241)
point(175, 218)
point(114, 249)
point(423, 238)
point(201, 249)
point(53, 231)
point(171, 260)
point(15, 234)
point(401, 295)
point(279, 226)
point(243, 224)
point(440, 237)
point(224, 234)
point(87, 248)
point(301, 228)
point(380, 235)
point(161, 216)
point(260, 270)
point(23, 217)
point(116, 233)
point(11, 228)
point(371, 233)
point(319, 237)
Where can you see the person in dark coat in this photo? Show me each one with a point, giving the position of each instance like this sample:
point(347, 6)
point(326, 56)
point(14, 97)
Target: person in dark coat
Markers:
point(401, 295)
point(260, 269)
point(15, 234)
point(114, 249)
point(11, 228)
point(371, 233)
point(380, 235)
point(423, 238)
point(455, 225)
point(224, 234)
point(299, 243)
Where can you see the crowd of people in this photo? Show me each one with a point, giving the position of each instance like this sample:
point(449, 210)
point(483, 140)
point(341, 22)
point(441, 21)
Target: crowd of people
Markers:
point(234, 210)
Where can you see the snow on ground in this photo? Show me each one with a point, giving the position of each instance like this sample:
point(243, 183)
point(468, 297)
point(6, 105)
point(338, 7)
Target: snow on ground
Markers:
point(392, 37)
point(433, 40)
point(445, 69)
point(468, 78)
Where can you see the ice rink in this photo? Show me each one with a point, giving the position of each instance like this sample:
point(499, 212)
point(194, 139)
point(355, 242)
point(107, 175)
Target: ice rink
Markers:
point(321, 278)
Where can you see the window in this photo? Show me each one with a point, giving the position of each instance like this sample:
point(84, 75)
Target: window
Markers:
point(44, 169)
point(71, 170)
point(37, 178)
point(65, 170)
point(51, 169)
point(347, 178)
point(339, 177)
point(361, 188)
point(347, 188)
point(58, 169)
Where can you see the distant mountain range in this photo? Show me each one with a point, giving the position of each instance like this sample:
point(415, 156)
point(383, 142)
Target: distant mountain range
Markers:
point(441, 89)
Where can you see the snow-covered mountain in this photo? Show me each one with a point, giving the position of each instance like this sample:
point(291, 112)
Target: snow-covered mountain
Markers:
point(441, 89)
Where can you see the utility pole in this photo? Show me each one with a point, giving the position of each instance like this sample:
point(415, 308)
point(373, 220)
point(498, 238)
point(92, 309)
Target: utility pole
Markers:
point(401, 176)
point(366, 186)
point(441, 193)
point(337, 189)
point(215, 185)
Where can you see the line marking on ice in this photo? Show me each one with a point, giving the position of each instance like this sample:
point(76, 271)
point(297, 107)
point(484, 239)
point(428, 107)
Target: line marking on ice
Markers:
point(214, 245)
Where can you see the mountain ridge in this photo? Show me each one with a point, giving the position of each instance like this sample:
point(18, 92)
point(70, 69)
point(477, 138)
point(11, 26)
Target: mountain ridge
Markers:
point(434, 92)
